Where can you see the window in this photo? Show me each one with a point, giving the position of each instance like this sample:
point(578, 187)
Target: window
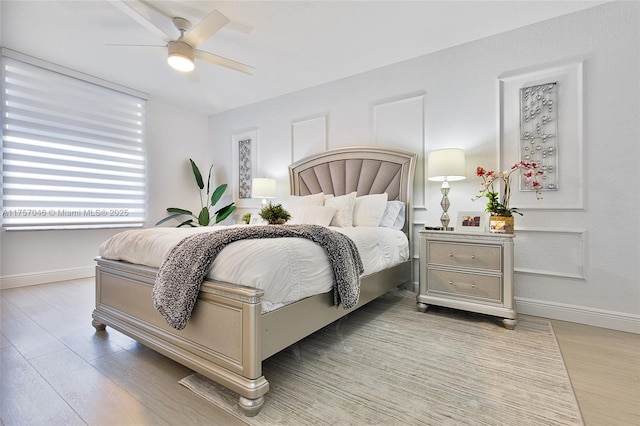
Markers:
point(73, 149)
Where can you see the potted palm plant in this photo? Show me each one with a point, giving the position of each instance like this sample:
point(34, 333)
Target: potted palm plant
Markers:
point(207, 202)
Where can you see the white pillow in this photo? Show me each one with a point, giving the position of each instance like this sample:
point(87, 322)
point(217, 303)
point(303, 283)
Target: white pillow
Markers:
point(394, 215)
point(368, 209)
point(343, 204)
point(315, 215)
point(293, 204)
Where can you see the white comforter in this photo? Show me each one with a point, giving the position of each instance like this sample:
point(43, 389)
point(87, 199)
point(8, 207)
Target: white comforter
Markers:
point(287, 269)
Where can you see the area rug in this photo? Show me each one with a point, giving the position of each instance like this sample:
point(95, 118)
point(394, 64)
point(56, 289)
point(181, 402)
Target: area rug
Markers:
point(388, 364)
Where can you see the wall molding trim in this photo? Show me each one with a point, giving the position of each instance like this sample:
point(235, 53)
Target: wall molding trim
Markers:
point(579, 314)
point(311, 135)
point(575, 243)
point(570, 194)
point(24, 280)
point(408, 113)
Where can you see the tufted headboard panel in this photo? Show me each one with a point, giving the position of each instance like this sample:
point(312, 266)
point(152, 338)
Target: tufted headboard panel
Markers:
point(363, 169)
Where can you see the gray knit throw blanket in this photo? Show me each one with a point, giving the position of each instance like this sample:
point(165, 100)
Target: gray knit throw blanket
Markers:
point(179, 278)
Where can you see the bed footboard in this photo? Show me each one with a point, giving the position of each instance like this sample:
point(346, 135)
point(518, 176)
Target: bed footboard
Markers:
point(222, 339)
point(227, 337)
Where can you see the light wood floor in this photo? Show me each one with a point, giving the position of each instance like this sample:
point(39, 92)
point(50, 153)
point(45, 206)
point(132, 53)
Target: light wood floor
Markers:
point(57, 371)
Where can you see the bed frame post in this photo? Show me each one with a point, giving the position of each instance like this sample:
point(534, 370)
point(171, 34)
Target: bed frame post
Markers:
point(124, 302)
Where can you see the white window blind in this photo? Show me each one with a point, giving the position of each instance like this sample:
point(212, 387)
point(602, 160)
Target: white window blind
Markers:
point(73, 150)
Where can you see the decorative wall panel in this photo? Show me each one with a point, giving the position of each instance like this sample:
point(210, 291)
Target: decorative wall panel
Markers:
point(308, 136)
point(539, 133)
point(400, 122)
point(244, 154)
point(554, 252)
point(563, 150)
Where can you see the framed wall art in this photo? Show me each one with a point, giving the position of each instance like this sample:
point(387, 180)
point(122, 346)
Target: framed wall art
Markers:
point(244, 154)
point(541, 120)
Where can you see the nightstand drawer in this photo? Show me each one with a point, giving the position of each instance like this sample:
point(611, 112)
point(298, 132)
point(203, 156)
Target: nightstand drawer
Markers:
point(462, 284)
point(465, 255)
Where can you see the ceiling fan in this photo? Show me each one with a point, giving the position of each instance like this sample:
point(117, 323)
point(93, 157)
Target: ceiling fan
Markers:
point(182, 51)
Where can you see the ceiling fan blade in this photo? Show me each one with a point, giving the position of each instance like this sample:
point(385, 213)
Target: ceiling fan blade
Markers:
point(241, 28)
point(183, 8)
point(135, 45)
point(193, 76)
point(148, 16)
point(225, 62)
point(209, 25)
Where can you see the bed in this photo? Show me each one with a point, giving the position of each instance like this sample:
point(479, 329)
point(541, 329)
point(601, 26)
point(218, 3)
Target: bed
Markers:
point(230, 333)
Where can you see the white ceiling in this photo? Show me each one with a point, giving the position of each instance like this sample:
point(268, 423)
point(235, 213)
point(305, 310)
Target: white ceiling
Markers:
point(292, 44)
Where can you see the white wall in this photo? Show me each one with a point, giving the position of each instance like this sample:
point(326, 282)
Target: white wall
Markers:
point(173, 135)
point(449, 99)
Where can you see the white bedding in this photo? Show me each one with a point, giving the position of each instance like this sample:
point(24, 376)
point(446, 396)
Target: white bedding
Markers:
point(287, 269)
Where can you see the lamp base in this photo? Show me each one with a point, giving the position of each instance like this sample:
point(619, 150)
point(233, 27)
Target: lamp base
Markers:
point(444, 203)
point(448, 228)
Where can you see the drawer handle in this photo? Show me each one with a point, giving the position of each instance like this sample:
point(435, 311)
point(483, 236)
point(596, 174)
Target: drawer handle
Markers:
point(473, 256)
point(451, 283)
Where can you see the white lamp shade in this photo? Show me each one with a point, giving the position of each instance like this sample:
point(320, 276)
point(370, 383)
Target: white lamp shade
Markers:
point(263, 188)
point(446, 165)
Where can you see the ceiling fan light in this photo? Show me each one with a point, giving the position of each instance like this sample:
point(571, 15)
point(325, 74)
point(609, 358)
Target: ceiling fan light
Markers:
point(180, 56)
point(180, 63)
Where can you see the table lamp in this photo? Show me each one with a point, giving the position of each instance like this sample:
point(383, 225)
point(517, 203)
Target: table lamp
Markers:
point(263, 188)
point(446, 165)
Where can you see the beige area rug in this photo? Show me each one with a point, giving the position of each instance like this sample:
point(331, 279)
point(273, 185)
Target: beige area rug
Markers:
point(388, 364)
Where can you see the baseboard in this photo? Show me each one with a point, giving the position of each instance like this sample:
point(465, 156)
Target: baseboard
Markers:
point(590, 316)
point(24, 280)
point(573, 313)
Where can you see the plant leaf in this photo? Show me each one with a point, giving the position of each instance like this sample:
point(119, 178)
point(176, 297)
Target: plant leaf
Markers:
point(209, 179)
point(203, 217)
point(217, 194)
point(187, 222)
point(168, 218)
point(196, 174)
point(179, 211)
point(224, 212)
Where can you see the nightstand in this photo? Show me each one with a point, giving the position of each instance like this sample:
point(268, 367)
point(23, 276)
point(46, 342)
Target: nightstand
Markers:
point(468, 271)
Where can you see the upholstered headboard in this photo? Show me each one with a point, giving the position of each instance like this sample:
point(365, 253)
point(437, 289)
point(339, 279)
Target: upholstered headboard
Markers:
point(363, 169)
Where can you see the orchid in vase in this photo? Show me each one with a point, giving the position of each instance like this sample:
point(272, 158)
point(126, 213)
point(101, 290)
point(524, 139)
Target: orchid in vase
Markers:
point(529, 170)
